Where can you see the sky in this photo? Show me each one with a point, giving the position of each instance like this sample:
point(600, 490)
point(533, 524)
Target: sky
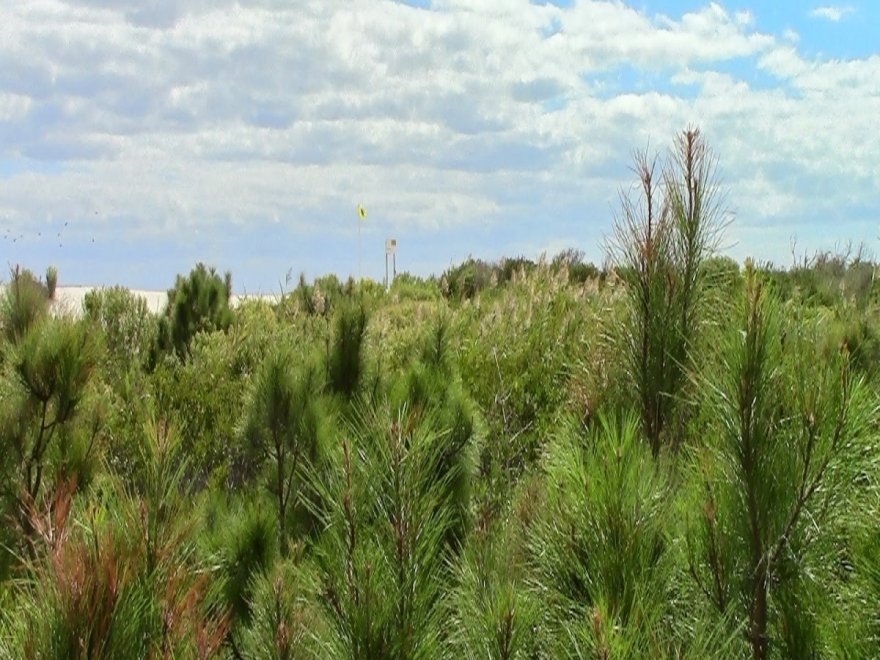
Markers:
point(138, 137)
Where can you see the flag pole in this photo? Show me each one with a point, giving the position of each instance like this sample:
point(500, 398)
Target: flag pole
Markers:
point(362, 215)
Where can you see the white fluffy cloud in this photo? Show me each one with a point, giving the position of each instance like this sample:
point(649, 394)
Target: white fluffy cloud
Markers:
point(832, 13)
point(169, 115)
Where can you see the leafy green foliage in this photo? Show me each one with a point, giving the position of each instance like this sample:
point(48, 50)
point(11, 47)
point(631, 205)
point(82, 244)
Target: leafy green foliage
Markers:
point(661, 239)
point(345, 360)
point(44, 391)
point(198, 302)
point(673, 458)
point(285, 623)
point(466, 280)
point(284, 428)
point(51, 281)
point(787, 438)
point(24, 302)
point(380, 563)
point(828, 278)
point(601, 545)
point(121, 322)
point(579, 272)
point(318, 298)
point(515, 356)
point(243, 536)
point(856, 632)
point(124, 581)
point(431, 389)
point(491, 611)
point(128, 328)
point(410, 287)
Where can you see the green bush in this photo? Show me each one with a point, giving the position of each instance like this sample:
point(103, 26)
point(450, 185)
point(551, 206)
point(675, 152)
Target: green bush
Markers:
point(410, 287)
point(789, 432)
point(128, 327)
point(466, 280)
point(431, 390)
point(283, 428)
point(242, 536)
point(345, 361)
point(118, 578)
point(515, 357)
point(380, 564)
point(44, 390)
point(662, 238)
point(491, 611)
point(601, 546)
point(25, 301)
point(579, 271)
point(51, 281)
point(198, 302)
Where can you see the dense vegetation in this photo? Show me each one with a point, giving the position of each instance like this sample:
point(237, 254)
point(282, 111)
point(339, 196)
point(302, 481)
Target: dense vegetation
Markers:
point(670, 456)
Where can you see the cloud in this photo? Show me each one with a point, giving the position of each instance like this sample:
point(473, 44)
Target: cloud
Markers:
point(833, 13)
point(172, 116)
point(14, 106)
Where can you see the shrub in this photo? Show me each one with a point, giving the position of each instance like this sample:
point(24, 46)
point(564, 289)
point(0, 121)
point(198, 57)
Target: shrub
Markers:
point(243, 537)
point(286, 624)
point(787, 435)
point(52, 369)
point(600, 546)
point(345, 360)
point(410, 287)
point(380, 563)
point(51, 281)
point(121, 581)
point(431, 389)
point(514, 355)
point(25, 301)
point(197, 303)
point(466, 280)
point(572, 261)
point(126, 323)
point(661, 240)
point(283, 427)
point(491, 611)
point(204, 397)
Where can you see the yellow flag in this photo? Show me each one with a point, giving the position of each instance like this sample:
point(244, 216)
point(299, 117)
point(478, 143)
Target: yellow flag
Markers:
point(362, 212)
